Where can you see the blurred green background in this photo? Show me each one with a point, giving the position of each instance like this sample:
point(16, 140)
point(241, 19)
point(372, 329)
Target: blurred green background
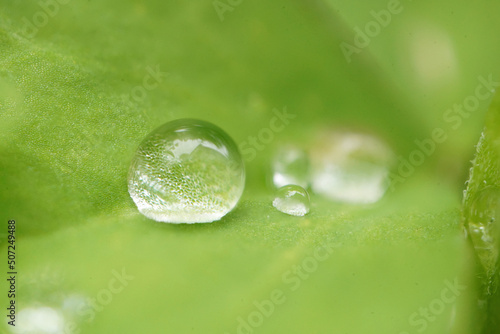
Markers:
point(71, 117)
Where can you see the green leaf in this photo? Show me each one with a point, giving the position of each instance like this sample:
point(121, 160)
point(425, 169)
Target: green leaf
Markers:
point(74, 105)
point(481, 212)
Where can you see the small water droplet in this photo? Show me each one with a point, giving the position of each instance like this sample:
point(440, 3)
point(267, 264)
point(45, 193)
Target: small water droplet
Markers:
point(290, 165)
point(350, 167)
point(292, 199)
point(186, 171)
point(483, 225)
point(42, 319)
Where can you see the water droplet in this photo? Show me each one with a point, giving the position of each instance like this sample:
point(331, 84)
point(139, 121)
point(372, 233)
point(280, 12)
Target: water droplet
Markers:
point(292, 199)
point(38, 320)
point(483, 226)
point(290, 165)
point(350, 167)
point(186, 171)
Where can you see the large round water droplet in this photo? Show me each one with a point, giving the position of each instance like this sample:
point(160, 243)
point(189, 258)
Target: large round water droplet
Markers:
point(292, 199)
point(350, 167)
point(290, 165)
point(186, 171)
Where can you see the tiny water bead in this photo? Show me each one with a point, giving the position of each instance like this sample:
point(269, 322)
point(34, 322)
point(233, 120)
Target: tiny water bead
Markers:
point(290, 165)
point(483, 225)
point(292, 199)
point(350, 167)
point(186, 171)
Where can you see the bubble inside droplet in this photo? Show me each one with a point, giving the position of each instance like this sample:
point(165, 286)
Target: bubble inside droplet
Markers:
point(292, 199)
point(290, 165)
point(483, 225)
point(350, 167)
point(186, 171)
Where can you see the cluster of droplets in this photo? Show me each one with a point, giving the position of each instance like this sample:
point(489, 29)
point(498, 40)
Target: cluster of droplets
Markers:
point(48, 304)
point(190, 171)
point(343, 166)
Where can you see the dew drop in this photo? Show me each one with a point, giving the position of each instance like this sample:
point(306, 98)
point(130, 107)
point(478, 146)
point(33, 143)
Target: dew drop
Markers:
point(350, 167)
point(292, 199)
point(40, 320)
point(290, 165)
point(483, 225)
point(186, 171)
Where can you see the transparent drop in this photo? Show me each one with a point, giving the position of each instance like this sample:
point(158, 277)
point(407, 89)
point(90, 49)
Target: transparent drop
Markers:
point(48, 303)
point(483, 226)
point(290, 165)
point(40, 320)
point(292, 199)
point(351, 167)
point(186, 171)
